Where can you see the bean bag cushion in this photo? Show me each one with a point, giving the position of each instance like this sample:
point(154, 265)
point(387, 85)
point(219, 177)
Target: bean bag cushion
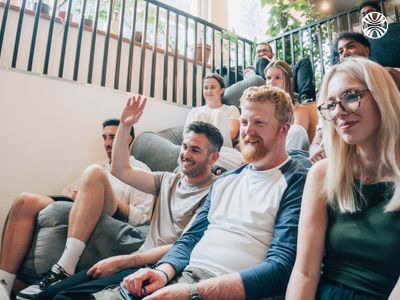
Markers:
point(110, 237)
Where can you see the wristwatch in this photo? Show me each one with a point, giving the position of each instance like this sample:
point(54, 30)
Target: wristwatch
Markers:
point(194, 292)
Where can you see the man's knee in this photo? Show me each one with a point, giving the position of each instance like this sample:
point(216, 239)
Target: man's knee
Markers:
point(27, 202)
point(94, 173)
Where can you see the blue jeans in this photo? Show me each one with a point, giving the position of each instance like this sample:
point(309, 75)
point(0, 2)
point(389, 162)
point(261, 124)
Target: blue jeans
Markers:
point(337, 291)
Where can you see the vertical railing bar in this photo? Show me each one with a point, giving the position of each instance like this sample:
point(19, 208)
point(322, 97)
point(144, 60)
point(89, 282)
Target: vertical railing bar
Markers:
point(175, 68)
point(321, 55)
point(229, 63)
point(329, 33)
point(383, 8)
point(203, 55)
point(106, 44)
point(293, 60)
point(49, 39)
point(79, 41)
point(4, 23)
point(311, 47)
point(251, 53)
point(131, 48)
point(338, 24)
point(93, 42)
point(194, 75)
point(34, 34)
point(143, 49)
point(301, 44)
point(396, 13)
point(244, 57)
point(237, 61)
point(165, 82)
point(154, 54)
point(213, 50)
point(349, 21)
point(18, 34)
point(64, 42)
point(221, 59)
point(283, 49)
point(185, 62)
point(119, 46)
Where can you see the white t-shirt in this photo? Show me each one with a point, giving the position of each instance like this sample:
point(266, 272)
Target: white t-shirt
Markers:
point(231, 111)
point(219, 117)
point(241, 221)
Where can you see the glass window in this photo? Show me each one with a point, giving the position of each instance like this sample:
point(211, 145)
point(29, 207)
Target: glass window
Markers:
point(248, 19)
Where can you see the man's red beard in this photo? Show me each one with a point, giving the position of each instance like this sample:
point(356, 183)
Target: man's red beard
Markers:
point(252, 148)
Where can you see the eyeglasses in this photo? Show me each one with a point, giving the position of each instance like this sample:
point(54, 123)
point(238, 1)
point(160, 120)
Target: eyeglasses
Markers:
point(348, 101)
point(265, 50)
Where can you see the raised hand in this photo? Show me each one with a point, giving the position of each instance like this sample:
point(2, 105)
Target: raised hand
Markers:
point(144, 282)
point(108, 266)
point(133, 110)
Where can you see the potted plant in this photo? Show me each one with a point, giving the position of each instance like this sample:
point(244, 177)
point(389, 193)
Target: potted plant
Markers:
point(200, 52)
point(44, 9)
point(62, 11)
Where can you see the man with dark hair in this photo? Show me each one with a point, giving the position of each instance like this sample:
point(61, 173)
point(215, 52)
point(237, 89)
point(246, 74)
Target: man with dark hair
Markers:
point(130, 204)
point(178, 196)
point(115, 122)
point(367, 7)
point(350, 43)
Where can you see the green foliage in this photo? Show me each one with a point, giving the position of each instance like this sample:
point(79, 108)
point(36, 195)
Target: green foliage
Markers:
point(230, 35)
point(281, 19)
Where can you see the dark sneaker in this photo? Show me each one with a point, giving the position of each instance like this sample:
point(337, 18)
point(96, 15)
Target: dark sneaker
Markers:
point(55, 275)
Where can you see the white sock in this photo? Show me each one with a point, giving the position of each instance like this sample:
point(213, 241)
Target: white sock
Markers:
point(71, 255)
point(7, 280)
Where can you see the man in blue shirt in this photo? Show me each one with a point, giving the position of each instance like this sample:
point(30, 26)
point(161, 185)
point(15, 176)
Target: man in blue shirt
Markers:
point(242, 245)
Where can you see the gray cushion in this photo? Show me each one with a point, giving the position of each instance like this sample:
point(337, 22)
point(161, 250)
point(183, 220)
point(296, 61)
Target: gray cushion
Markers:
point(159, 150)
point(110, 237)
point(233, 93)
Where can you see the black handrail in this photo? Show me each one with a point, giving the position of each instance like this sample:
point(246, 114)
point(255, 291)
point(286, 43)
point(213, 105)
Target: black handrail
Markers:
point(183, 89)
point(49, 39)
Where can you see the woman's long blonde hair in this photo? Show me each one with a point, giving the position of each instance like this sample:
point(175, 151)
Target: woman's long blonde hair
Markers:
point(343, 158)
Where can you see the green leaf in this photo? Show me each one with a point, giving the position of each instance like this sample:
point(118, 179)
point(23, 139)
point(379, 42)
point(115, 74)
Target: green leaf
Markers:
point(267, 2)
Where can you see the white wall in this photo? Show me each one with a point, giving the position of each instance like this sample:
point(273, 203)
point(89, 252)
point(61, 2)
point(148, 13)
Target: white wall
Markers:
point(70, 54)
point(51, 130)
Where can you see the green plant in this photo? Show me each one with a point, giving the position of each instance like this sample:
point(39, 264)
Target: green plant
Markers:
point(229, 35)
point(253, 50)
point(281, 18)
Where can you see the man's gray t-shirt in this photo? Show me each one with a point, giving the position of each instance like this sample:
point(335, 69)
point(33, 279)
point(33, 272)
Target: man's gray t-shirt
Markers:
point(175, 203)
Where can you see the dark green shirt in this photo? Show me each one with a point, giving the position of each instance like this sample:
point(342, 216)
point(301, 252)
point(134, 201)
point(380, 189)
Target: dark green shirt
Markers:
point(363, 248)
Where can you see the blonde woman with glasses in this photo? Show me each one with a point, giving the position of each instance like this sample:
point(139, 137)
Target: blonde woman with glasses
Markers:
point(350, 214)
